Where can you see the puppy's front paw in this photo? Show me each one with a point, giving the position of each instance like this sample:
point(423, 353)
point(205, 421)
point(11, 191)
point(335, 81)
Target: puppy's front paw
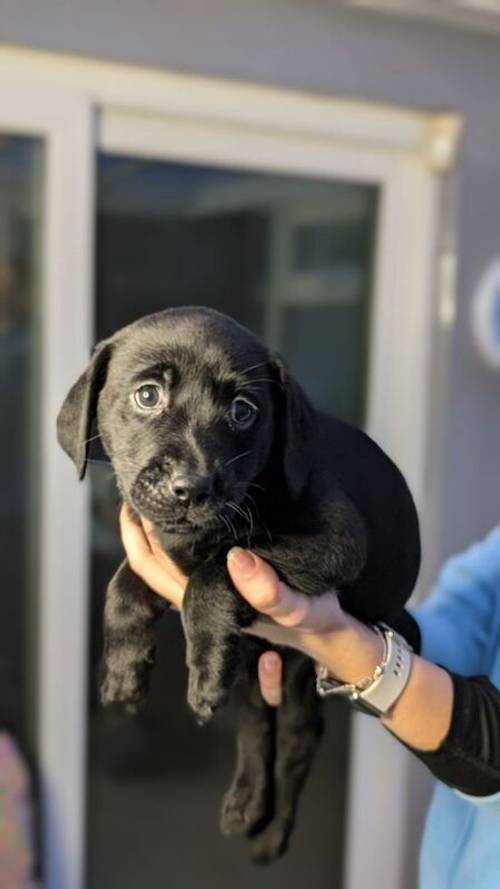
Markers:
point(126, 688)
point(205, 693)
point(212, 662)
point(212, 640)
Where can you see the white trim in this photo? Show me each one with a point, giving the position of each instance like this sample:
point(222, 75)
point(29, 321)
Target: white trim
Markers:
point(63, 121)
point(398, 420)
point(119, 90)
point(223, 144)
point(163, 115)
point(482, 15)
point(399, 376)
point(402, 322)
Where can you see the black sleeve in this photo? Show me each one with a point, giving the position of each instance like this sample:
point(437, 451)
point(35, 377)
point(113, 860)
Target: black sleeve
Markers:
point(469, 757)
point(406, 625)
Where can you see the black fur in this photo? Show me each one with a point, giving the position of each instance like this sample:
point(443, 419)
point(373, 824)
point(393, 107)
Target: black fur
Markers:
point(316, 498)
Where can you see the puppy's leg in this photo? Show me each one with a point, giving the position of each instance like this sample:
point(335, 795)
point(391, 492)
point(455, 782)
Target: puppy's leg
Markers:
point(129, 614)
point(212, 613)
point(248, 803)
point(299, 728)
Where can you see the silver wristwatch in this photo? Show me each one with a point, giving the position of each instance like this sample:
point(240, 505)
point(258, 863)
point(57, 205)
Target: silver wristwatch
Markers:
point(377, 693)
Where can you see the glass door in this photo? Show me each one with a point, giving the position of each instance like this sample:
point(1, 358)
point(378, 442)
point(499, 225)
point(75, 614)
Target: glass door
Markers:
point(291, 258)
point(21, 160)
point(21, 176)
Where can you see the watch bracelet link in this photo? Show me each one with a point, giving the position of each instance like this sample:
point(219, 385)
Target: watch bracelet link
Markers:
point(375, 694)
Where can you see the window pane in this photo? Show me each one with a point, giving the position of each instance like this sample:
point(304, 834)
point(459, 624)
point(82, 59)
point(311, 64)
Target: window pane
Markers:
point(20, 209)
point(291, 259)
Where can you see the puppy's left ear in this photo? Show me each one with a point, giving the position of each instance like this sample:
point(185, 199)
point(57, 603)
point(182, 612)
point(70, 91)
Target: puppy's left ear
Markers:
point(297, 417)
point(74, 422)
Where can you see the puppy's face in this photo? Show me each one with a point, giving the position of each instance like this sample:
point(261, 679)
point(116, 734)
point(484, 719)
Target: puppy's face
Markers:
point(186, 416)
point(187, 410)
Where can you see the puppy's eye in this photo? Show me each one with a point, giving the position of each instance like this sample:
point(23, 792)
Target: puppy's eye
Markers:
point(147, 396)
point(243, 413)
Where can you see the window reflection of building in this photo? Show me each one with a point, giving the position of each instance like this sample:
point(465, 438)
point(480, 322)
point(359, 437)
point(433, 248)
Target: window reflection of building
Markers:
point(18, 220)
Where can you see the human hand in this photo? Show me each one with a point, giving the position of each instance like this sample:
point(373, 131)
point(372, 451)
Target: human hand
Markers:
point(287, 617)
point(150, 562)
point(315, 625)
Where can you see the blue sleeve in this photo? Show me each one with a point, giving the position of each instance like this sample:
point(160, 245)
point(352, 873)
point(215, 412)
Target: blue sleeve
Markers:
point(460, 620)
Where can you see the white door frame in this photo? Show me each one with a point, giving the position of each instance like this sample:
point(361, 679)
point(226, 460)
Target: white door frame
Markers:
point(79, 105)
point(62, 120)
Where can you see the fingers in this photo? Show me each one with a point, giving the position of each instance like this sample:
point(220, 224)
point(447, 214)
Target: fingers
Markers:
point(156, 572)
point(276, 634)
point(270, 669)
point(133, 539)
point(158, 551)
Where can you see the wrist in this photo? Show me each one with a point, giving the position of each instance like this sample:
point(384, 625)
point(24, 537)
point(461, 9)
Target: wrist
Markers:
point(351, 652)
point(422, 715)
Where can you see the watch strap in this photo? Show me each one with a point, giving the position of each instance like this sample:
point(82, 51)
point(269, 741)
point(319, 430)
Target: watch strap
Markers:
point(378, 693)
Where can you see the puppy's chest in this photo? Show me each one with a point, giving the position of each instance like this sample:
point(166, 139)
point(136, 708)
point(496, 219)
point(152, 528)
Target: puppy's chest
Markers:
point(189, 553)
point(306, 550)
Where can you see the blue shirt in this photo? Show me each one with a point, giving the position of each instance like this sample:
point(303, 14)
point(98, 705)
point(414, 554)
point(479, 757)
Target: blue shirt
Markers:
point(460, 628)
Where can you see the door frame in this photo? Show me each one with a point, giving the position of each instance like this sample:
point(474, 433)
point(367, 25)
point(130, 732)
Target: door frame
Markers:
point(63, 121)
point(79, 106)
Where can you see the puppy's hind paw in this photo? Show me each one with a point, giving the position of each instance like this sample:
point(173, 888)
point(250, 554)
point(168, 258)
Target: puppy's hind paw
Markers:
point(271, 843)
point(125, 689)
point(243, 810)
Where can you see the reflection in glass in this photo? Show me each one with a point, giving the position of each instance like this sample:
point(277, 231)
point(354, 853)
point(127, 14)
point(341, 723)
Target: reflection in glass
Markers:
point(291, 259)
point(20, 187)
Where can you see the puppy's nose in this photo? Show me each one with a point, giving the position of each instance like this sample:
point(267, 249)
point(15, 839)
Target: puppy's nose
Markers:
point(190, 489)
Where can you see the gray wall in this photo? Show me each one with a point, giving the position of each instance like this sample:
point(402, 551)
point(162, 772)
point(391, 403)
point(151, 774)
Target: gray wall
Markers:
point(318, 46)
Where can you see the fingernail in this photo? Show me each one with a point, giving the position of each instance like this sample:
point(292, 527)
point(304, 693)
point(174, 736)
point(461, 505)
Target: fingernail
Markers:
point(242, 560)
point(270, 662)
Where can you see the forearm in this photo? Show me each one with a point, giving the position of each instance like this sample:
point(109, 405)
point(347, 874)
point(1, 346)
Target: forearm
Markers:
point(421, 717)
point(451, 722)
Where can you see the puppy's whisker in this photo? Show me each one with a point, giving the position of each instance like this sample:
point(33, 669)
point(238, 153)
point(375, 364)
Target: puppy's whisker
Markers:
point(259, 517)
point(236, 508)
point(250, 485)
point(249, 496)
point(251, 388)
point(260, 487)
point(223, 518)
point(233, 459)
point(232, 527)
point(254, 367)
point(266, 529)
point(246, 513)
point(268, 380)
point(250, 518)
point(94, 437)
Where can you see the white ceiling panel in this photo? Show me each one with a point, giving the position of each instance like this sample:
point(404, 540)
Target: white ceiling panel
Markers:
point(480, 14)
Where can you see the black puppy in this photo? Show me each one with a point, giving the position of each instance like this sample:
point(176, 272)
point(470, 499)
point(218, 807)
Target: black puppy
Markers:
point(214, 442)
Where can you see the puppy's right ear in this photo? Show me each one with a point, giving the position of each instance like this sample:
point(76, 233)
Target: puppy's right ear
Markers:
point(74, 422)
point(298, 423)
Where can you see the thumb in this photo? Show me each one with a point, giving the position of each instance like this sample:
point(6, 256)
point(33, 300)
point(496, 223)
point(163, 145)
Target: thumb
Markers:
point(259, 584)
